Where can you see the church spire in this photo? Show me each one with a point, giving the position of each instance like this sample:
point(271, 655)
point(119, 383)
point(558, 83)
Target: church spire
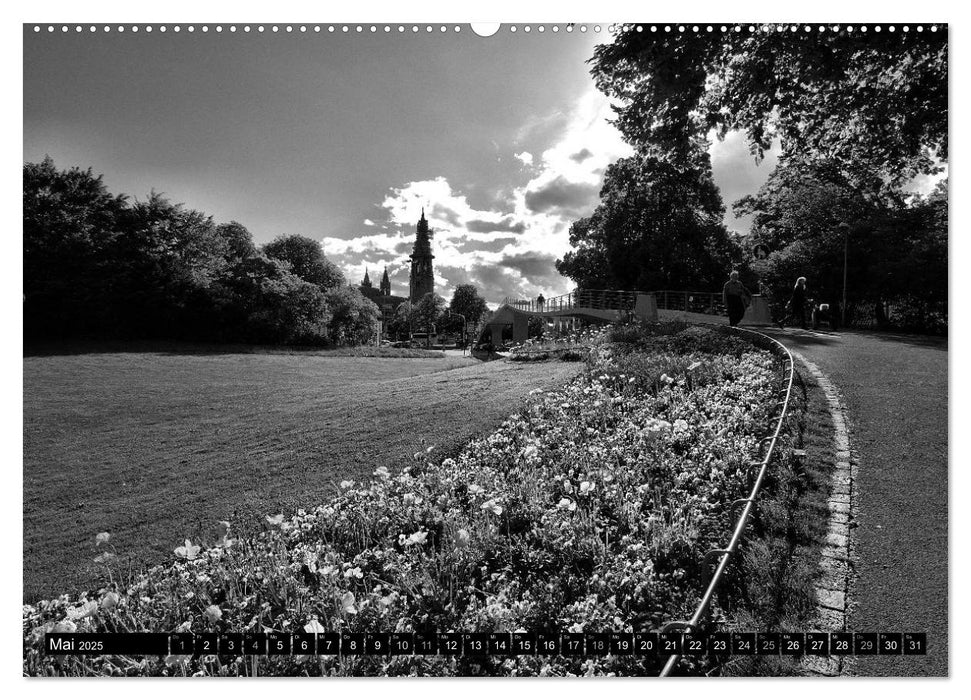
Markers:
point(367, 279)
point(422, 278)
point(386, 283)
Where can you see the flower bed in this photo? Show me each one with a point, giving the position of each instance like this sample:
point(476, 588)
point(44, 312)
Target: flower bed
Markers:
point(589, 510)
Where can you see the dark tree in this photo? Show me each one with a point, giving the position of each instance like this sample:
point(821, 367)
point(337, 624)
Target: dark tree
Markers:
point(466, 301)
point(875, 104)
point(306, 260)
point(897, 252)
point(657, 227)
point(399, 325)
point(99, 267)
point(71, 223)
point(426, 313)
point(354, 316)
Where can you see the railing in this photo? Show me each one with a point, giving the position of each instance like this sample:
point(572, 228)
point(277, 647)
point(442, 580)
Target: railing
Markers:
point(710, 303)
point(724, 555)
point(601, 299)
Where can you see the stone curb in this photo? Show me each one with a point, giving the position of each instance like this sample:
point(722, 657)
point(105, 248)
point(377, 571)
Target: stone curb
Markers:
point(832, 588)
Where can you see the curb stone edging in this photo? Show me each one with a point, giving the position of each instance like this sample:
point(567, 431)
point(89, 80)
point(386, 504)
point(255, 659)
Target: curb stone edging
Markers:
point(837, 562)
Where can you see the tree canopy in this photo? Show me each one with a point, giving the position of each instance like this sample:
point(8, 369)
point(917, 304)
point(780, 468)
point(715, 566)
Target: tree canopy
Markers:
point(307, 260)
point(874, 104)
point(657, 226)
point(426, 312)
point(97, 265)
point(466, 301)
point(896, 252)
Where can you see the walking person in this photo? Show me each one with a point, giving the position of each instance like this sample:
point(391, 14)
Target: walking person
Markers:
point(797, 304)
point(736, 298)
point(540, 301)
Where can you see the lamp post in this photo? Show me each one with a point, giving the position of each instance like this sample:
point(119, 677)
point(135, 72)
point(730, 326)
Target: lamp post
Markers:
point(845, 228)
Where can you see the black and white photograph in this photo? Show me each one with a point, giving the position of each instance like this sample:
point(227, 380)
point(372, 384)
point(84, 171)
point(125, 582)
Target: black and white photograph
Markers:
point(438, 349)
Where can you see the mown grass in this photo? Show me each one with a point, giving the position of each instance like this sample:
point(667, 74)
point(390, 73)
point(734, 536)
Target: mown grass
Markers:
point(156, 445)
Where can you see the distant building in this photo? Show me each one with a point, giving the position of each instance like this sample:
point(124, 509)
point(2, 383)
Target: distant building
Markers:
point(387, 302)
point(422, 279)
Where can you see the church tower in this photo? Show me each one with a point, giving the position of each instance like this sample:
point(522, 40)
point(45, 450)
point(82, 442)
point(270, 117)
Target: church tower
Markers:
point(366, 284)
point(385, 284)
point(422, 280)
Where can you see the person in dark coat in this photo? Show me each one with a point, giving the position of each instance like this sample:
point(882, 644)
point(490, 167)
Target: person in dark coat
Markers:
point(736, 298)
point(797, 303)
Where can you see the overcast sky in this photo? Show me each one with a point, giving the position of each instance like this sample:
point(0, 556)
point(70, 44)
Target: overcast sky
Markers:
point(343, 138)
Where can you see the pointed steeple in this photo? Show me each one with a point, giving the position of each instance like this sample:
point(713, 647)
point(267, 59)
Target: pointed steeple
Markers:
point(386, 283)
point(422, 278)
point(367, 279)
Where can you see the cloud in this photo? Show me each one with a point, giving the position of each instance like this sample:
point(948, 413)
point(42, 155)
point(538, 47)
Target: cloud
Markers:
point(368, 222)
point(564, 197)
point(526, 158)
point(507, 224)
point(736, 173)
point(581, 155)
point(468, 242)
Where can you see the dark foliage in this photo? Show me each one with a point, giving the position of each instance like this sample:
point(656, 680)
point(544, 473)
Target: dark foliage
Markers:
point(98, 266)
point(657, 227)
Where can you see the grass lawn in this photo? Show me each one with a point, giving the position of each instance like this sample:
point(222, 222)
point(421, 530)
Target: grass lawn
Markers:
point(155, 447)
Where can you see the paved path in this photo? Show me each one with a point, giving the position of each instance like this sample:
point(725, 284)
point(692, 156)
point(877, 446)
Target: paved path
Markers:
point(895, 389)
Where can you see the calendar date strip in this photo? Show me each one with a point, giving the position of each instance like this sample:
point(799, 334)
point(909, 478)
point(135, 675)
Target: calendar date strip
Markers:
point(488, 644)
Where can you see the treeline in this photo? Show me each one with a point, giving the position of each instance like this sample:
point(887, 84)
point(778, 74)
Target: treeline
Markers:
point(850, 143)
point(809, 218)
point(99, 266)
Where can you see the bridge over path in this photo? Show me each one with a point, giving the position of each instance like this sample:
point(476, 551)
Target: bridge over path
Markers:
point(610, 306)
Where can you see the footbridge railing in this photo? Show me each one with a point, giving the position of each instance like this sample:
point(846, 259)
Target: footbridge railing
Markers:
point(710, 303)
point(600, 299)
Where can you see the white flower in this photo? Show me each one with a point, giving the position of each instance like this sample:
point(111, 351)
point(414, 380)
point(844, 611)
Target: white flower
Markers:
point(213, 614)
point(491, 505)
point(346, 484)
point(566, 504)
point(275, 519)
point(188, 550)
point(88, 609)
point(382, 472)
point(354, 573)
point(314, 627)
point(680, 424)
point(347, 603)
point(462, 539)
point(416, 538)
point(586, 487)
point(110, 600)
point(102, 538)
